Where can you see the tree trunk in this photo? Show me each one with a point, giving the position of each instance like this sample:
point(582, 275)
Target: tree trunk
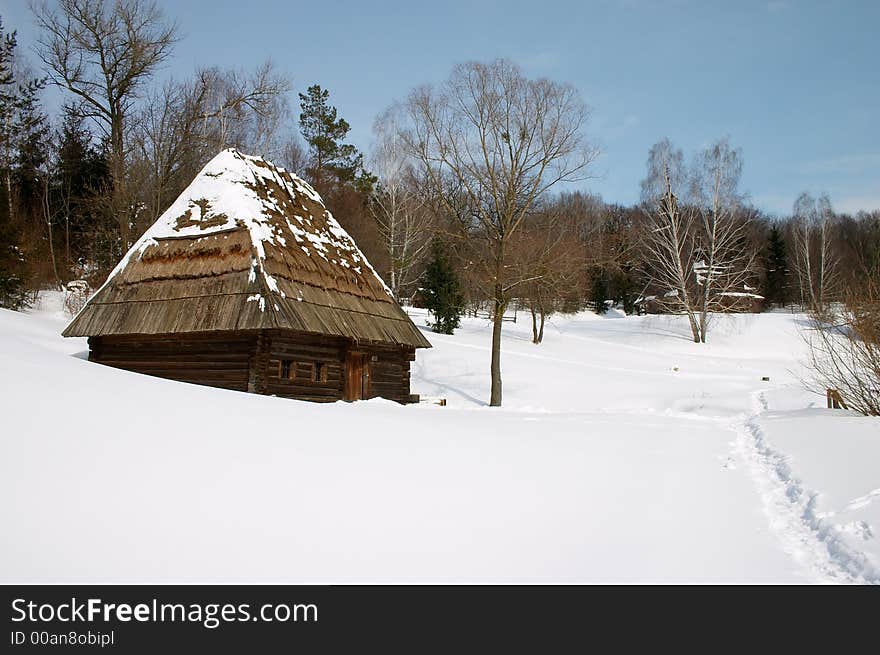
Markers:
point(541, 329)
point(495, 394)
point(497, 319)
point(48, 217)
point(52, 254)
point(534, 314)
point(695, 328)
point(704, 311)
point(9, 194)
point(118, 174)
point(8, 164)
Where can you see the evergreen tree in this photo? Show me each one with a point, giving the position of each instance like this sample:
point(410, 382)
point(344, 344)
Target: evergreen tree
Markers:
point(776, 290)
point(83, 174)
point(13, 272)
point(32, 153)
point(23, 133)
point(600, 291)
point(332, 160)
point(442, 291)
point(8, 106)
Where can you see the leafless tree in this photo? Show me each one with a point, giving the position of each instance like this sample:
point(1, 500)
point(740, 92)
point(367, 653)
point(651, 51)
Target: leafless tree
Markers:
point(293, 155)
point(665, 170)
point(401, 210)
point(49, 218)
point(726, 260)
point(506, 139)
point(166, 155)
point(242, 110)
point(182, 125)
point(104, 51)
point(697, 253)
point(550, 259)
point(816, 265)
point(669, 254)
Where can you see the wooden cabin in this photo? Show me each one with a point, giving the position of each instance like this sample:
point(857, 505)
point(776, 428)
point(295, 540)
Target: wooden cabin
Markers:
point(247, 282)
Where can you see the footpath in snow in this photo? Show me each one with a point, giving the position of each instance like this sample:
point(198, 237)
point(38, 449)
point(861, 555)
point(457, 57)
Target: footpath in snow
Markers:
point(624, 453)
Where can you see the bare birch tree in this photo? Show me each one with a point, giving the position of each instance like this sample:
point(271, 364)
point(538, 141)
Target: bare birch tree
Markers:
point(697, 255)
point(726, 261)
point(669, 253)
point(815, 262)
point(398, 205)
point(666, 172)
point(506, 139)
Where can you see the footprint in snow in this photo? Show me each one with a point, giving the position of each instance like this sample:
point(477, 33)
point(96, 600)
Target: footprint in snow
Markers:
point(858, 529)
point(863, 501)
point(727, 463)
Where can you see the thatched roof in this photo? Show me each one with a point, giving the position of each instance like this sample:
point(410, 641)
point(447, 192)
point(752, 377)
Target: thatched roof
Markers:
point(246, 246)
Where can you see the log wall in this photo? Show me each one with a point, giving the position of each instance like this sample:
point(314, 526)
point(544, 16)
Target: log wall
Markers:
point(304, 352)
point(255, 361)
point(389, 372)
point(206, 358)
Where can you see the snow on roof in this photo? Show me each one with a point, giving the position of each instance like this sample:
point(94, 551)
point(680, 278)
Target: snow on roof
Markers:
point(235, 190)
point(740, 294)
point(246, 246)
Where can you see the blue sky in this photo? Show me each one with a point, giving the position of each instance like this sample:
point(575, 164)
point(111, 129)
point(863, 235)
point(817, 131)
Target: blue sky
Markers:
point(795, 84)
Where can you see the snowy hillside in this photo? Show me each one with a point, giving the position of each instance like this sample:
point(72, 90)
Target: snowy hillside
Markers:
point(623, 453)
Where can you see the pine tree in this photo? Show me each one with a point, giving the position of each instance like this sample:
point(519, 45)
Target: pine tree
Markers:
point(23, 132)
point(442, 291)
point(83, 174)
point(31, 127)
point(599, 292)
point(8, 104)
point(332, 160)
point(776, 290)
point(13, 271)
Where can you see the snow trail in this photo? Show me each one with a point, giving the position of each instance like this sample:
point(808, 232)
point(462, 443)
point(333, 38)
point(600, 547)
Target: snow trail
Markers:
point(815, 543)
point(594, 471)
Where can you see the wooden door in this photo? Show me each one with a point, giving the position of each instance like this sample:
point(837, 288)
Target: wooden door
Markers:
point(357, 376)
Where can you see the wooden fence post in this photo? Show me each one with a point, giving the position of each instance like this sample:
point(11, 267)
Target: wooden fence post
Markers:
point(835, 400)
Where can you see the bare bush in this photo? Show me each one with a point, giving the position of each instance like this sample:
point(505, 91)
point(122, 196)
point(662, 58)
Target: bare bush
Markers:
point(844, 350)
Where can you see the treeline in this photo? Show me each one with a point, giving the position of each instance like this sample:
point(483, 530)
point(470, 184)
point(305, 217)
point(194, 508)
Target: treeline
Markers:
point(577, 253)
point(463, 202)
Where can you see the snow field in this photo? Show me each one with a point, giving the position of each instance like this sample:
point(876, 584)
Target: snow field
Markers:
point(623, 453)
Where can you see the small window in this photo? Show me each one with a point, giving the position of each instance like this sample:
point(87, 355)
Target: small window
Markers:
point(287, 368)
point(319, 372)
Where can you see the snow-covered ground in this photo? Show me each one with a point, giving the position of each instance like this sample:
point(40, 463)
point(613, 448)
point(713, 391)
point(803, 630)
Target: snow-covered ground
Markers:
point(624, 453)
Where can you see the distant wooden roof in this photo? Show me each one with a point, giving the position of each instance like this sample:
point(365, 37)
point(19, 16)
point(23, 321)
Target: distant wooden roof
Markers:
point(246, 246)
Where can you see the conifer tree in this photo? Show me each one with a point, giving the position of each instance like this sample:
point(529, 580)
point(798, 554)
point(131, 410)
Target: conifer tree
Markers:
point(776, 289)
point(442, 291)
point(332, 160)
point(23, 131)
point(83, 174)
point(600, 291)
